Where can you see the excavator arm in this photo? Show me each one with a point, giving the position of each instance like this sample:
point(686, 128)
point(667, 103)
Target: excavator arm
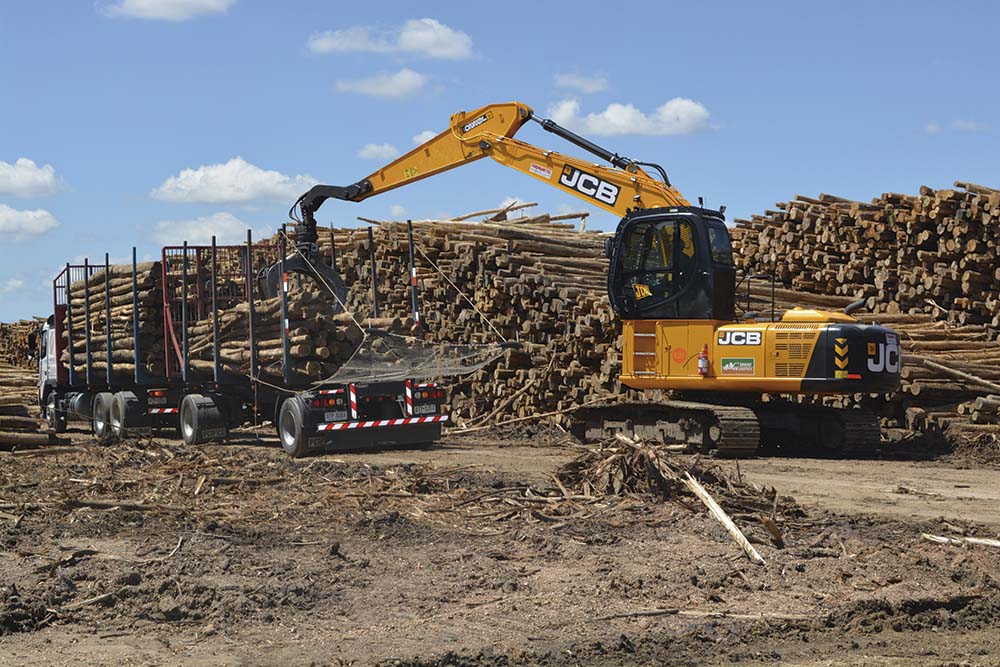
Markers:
point(489, 132)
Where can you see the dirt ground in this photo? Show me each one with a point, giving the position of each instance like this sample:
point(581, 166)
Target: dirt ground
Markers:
point(158, 554)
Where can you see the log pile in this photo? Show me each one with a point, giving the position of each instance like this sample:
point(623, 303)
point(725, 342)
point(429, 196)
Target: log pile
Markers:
point(535, 280)
point(15, 349)
point(91, 297)
point(19, 423)
point(934, 253)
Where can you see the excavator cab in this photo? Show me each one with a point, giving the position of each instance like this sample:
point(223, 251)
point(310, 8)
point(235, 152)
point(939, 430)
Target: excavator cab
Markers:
point(672, 263)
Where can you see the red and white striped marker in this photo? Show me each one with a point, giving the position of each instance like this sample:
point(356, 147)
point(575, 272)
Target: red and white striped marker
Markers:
point(163, 411)
point(353, 400)
point(344, 426)
point(409, 397)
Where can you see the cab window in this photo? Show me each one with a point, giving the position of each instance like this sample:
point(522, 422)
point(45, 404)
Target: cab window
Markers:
point(659, 259)
point(722, 245)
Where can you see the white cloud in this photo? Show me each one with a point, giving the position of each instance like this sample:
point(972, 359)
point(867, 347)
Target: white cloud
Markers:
point(22, 224)
point(226, 227)
point(583, 83)
point(378, 152)
point(24, 178)
point(234, 181)
point(969, 126)
point(397, 212)
point(14, 284)
point(424, 137)
point(166, 10)
point(425, 37)
point(678, 116)
point(932, 128)
point(403, 83)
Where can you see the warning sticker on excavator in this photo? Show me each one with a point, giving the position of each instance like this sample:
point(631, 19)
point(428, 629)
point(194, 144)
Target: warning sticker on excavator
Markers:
point(539, 170)
point(642, 291)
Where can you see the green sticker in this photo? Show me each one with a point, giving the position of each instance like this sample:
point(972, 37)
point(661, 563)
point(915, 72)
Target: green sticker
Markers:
point(741, 366)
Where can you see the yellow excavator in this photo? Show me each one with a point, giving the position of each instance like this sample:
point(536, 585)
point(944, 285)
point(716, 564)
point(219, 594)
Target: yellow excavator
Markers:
point(672, 282)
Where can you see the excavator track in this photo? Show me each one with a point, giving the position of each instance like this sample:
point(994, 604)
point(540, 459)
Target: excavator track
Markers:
point(723, 430)
point(736, 431)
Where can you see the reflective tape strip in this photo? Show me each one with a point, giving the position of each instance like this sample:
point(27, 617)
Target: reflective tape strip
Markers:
point(353, 401)
point(381, 423)
point(163, 411)
point(330, 391)
point(426, 384)
point(413, 276)
point(409, 397)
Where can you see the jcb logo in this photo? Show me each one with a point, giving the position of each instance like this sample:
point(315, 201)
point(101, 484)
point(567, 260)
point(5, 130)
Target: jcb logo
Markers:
point(739, 337)
point(589, 185)
point(883, 357)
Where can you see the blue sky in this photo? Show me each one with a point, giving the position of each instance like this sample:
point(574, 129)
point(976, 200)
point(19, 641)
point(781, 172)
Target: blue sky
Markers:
point(131, 122)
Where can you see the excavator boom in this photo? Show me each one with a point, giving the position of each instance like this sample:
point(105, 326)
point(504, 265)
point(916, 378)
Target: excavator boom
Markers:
point(489, 132)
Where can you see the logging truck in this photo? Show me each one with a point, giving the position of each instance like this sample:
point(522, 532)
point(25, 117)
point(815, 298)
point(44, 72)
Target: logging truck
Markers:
point(107, 323)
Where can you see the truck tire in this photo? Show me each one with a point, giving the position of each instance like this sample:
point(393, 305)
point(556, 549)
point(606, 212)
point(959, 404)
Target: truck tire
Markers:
point(201, 420)
point(55, 418)
point(291, 419)
point(127, 414)
point(100, 420)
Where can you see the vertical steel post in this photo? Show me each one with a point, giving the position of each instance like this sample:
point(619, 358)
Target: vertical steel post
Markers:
point(371, 255)
point(107, 314)
point(86, 314)
point(413, 274)
point(286, 371)
point(216, 367)
point(184, 315)
point(69, 327)
point(135, 315)
point(333, 249)
point(250, 298)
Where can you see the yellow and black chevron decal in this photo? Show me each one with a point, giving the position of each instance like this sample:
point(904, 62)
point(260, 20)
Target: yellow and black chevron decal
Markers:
point(840, 358)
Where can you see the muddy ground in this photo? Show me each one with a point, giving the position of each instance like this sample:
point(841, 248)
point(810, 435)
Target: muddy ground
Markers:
point(157, 554)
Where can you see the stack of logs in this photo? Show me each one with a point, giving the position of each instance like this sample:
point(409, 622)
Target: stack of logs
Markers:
point(934, 253)
point(319, 340)
point(15, 348)
point(536, 280)
point(926, 265)
point(19, 423)
point(92, 296)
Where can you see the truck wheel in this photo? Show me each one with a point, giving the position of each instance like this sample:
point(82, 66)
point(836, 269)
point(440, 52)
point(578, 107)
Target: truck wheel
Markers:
point(56, 419)
point(126, 414)
point(100, 420)
point(201, 420)
point(290, 431)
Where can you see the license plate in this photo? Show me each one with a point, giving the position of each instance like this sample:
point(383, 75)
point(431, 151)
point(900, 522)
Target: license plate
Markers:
point(429, 409)
point(316, 442)
point(213, 433)
point(335, 416)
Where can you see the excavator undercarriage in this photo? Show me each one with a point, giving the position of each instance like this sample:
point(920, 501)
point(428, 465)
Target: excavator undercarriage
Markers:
point(723, 427)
